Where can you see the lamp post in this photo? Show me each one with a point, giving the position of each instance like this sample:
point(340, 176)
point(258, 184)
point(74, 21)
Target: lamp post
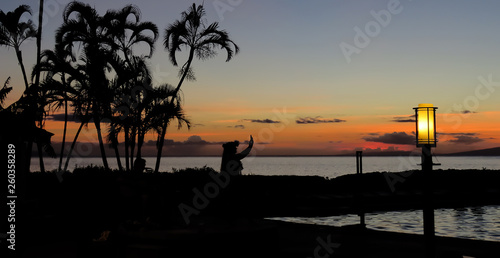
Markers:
point(425, 115)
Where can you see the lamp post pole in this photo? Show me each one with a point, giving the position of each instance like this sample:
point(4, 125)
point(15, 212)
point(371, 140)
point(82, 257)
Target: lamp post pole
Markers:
point(428, 210)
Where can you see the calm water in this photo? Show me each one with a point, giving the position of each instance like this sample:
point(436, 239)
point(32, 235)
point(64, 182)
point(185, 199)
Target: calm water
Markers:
point(481, 223)
point(320, 166)
point(473, 223)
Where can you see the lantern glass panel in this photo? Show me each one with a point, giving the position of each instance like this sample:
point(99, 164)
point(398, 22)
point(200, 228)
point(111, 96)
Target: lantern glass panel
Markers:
point(425, 124)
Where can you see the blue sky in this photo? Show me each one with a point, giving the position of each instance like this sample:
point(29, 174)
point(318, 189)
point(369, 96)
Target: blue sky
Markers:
point(429, 51)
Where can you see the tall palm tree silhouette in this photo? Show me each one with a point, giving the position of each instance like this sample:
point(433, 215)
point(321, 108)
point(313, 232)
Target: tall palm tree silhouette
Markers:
point(83, 25)
point(201, 41)
point(37, 78)
point(39, 41)
point(114, 130)
point(13, 33)
point(132, 72)
point(129, 92)
point(81, 103)
point(55, 64)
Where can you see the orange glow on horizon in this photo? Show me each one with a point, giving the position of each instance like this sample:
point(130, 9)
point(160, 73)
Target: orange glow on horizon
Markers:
point(290, 138)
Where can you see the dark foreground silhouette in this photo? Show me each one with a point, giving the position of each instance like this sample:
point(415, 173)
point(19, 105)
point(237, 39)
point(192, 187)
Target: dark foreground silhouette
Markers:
point(95, 213)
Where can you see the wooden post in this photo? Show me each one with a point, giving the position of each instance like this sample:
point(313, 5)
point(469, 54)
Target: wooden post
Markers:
point(359, 162)
point(359, 171)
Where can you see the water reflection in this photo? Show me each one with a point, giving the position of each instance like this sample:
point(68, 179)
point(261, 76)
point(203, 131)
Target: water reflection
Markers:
point(482, 223)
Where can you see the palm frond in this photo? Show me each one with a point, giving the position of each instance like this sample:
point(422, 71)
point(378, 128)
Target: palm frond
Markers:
point(4, 91)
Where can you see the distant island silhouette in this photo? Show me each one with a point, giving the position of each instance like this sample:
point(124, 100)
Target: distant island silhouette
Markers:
point(482, 152)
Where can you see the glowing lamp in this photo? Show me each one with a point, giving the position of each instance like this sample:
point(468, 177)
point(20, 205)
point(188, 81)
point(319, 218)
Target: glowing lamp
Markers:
point(425, 115)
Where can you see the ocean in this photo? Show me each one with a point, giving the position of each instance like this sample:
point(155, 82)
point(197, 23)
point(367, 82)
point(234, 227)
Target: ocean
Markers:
point(482, 223)
point(301, 166)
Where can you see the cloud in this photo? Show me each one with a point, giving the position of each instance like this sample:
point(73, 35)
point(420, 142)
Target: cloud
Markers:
point(262, 121)
point(404, 119)
point(191, 140)
point(198, 125)
point(463, 112)
point(194, 139)
point(458, 134)
point(60, 117)
point(467, 112)
point(392, 138)
point(317, 120)
point(71, 118)
point(334, 142)
point(463, 138)
point(236, 126)
point(391, 150)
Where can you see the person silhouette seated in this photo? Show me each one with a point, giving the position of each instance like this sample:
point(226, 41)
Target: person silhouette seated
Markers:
point(231, 161)
point(139, 165)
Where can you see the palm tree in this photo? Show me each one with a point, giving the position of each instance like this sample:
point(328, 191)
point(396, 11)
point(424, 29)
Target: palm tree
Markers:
point(161, 113)
point(82, 110)
point(13, 33)
point(55, 64)
point(128, 34)
point(132, 71)
point(130, 87)
point(39, 40)
point(201, 41)
point(112, 137)
point(4, 91)
point(37, 77)
point(83, 25)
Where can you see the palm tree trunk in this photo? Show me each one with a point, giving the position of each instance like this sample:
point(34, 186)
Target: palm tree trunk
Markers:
point(39, 42)
point(164, 128)
point(140, 142)
point(132, 146)
point(127, 131)
point(64, 133)
point(186, 70)
point(161, 140)
point(97, 123)
point(37, 78)
point(117, 154)
point(29, 149)
point(20, 60)
point(40, 157)
point(73, 145)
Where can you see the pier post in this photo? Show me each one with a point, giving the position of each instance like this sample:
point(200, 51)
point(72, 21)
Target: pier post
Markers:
point(359, 171)
point(359, 162)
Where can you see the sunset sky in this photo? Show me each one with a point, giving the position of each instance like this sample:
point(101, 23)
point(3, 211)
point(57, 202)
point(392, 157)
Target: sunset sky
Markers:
point(320, 77)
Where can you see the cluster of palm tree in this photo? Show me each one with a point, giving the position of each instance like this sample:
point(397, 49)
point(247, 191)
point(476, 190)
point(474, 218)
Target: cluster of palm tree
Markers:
point(95, 72)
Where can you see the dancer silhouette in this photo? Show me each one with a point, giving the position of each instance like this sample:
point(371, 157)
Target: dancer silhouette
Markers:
point(231, 161)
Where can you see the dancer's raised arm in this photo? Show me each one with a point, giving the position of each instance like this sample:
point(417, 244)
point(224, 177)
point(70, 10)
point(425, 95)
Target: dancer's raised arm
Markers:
point(246, 151)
